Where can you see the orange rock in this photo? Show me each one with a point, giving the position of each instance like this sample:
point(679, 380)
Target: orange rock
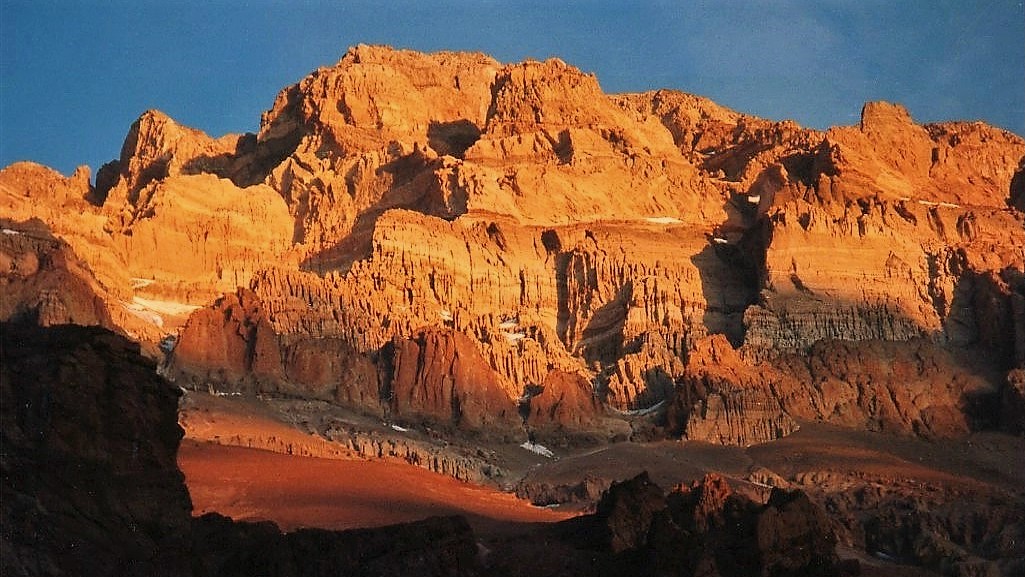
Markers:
point(519, 218)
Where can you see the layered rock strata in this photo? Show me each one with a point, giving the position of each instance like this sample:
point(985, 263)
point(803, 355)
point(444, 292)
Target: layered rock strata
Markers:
point(560, 231)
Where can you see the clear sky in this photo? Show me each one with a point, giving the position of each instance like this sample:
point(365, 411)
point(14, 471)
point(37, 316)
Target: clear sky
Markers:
point(75, 74)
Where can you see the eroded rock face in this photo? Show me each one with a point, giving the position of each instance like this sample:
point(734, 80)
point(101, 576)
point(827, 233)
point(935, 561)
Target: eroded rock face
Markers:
point(565, 400)
point(43, 281)
point(563, 231)
point(442, 376)
point(228, 343)
point(912, 387)
point(721, 399)
point(30, 191)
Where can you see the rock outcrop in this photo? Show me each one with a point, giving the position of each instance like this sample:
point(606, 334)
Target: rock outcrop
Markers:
point(436, 546)
point(90, 434)
point(703, 529)
point(721, 399)
point(43, 281)
point(442, 376)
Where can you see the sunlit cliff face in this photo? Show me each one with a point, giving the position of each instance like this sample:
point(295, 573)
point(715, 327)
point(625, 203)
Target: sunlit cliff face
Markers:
point(503, 254)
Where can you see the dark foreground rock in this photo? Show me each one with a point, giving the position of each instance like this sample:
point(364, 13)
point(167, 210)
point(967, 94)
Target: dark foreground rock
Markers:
point(91, 487)
point(443, 546)
point(90, 434)
point(706, 529)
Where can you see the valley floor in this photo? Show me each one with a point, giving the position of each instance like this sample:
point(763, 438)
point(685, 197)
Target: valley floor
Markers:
point(880, 491)
point(294, 492)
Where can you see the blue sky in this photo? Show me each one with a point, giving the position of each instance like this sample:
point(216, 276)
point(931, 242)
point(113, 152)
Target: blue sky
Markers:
point(75, 74)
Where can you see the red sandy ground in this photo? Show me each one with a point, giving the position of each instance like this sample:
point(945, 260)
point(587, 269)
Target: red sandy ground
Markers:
point(250, 484)
point(342, 492)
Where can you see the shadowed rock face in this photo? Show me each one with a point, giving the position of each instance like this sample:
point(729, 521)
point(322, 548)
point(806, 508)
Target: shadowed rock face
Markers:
point(708, 529)
point(441, 546)
point(90, 481)
point(704, 529)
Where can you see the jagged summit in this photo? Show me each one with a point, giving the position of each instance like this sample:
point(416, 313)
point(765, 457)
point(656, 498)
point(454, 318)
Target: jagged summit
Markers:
point(400, 195)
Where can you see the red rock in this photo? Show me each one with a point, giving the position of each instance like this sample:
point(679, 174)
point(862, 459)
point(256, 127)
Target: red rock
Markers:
point(440, 376)
point(566, 401)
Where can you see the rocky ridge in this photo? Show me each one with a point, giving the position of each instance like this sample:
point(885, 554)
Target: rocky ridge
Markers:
point(397, 210)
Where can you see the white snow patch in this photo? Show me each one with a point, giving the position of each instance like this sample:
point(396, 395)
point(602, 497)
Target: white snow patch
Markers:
point(9, 231)
point(754, 198)
point(949, 205)
point(513, 337)
point(446, 315)
point(720, 240)
point(172, 308)
point(400, 429)
point(147, 316)
point(642, 412)
point(538, 449)
point(663, 220)
point(507, 325)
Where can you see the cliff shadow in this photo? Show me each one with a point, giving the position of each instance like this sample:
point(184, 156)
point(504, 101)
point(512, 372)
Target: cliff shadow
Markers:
point(602, 340)
point(730, 266)
point(250, 163)
point(412, 184)
point(452, 138)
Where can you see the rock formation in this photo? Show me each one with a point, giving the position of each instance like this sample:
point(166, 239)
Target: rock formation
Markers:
point(398, 210)
point(503, 251)
point(435, 546)
point(721, 399)
point(45, 282)
point(703, 529)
